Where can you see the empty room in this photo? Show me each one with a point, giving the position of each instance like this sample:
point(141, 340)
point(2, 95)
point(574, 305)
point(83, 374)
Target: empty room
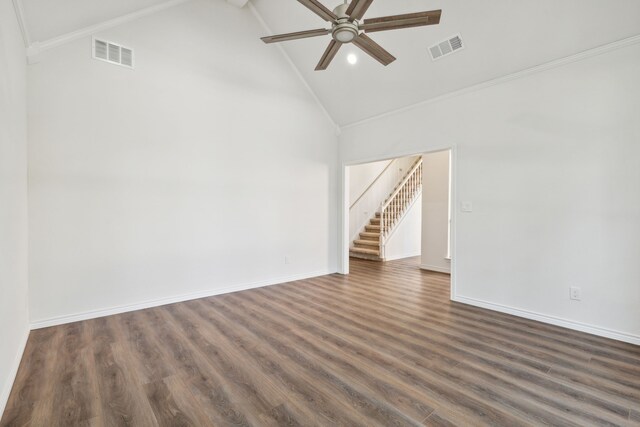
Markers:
point(319, 213)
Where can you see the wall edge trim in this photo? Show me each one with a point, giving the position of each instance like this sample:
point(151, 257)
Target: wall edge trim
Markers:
point(38, 47)
point(576, 57)
point(404, 255)
point(92, 314)
point(6, 390)
point(22, 22)
point(295, 69)
point(435, 268)
point(552, 320)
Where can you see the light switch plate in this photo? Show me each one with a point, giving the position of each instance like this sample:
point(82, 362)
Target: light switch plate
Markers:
point(466, 206)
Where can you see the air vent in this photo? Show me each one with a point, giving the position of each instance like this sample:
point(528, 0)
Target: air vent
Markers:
point(100, 50)
point(126, 57)
point(112, 53)
point(446, 47)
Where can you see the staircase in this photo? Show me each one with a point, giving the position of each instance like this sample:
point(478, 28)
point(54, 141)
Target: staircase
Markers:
point(372, 239)
point(368, 245)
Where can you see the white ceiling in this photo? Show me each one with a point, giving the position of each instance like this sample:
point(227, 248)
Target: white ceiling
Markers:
point(501, 36)
point(47, 19)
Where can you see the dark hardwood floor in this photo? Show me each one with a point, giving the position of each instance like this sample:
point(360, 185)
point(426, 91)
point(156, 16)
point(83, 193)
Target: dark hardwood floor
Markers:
point(383, 346)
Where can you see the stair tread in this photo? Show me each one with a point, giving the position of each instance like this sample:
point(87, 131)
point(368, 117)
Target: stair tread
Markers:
point(368, 257)
point(373, 243)
point(369, 234)
point(366, 251)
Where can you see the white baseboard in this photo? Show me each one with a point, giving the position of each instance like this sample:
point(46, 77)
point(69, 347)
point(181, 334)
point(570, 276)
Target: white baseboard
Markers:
point(60, 320)
point(6, 387)
point(552, 320)
point(409, 255)
point(428, 267)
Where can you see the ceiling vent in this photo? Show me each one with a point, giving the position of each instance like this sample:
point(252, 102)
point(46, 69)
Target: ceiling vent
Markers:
point(446, 47)
point(112, 53)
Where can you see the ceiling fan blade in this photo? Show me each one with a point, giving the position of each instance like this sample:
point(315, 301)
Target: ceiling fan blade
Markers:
point(328, 55)
point(372, 48)
point(319, 9)
point(397, 22)
point(295, 36)
point(358, 8)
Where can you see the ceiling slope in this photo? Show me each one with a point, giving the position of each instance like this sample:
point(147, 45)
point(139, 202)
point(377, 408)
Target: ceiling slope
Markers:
point(48, 19)
point(501, 37)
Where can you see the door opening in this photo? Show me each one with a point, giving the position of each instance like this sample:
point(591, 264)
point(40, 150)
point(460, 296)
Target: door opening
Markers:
point(401, 208)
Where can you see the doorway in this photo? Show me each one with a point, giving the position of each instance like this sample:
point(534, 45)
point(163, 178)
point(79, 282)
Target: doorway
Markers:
point(436, 240)
point(385, 209)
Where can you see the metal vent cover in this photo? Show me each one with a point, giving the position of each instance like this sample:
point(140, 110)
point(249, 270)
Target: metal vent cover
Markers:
point(112, 53)
point(446, 47)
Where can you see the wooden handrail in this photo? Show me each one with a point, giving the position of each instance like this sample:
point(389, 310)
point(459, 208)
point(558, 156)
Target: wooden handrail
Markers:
point(413, 169)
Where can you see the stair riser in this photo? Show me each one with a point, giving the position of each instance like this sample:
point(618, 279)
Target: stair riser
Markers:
point(367, 257)
point(361, 246)
point(364, 251)
point(367, 253)
point(368, 243)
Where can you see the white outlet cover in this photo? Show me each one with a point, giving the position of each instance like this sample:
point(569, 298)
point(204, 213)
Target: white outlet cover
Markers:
point(466, 206)
point(575, 293)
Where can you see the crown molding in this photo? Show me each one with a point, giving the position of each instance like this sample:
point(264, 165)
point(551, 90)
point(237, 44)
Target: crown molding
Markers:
point(38, 47)
point(295, 69)
point(590, 53)
point(22, 23)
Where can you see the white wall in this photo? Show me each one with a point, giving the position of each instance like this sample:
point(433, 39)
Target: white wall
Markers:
point(406, 238)
point(361, 176)
point(435, 211)
point(550, 162)
point(14, 316)
point(195, 173)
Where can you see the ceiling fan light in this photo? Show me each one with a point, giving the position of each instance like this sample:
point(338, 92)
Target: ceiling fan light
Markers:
point(345, 35)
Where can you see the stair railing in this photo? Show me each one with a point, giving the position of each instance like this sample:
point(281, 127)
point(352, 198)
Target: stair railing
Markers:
point(394, 208)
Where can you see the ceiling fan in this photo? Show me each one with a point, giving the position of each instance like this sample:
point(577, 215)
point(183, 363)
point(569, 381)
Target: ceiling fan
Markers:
point(347, 28)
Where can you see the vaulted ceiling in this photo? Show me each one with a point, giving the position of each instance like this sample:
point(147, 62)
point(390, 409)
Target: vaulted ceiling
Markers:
point(47, 19)
point(501, 37)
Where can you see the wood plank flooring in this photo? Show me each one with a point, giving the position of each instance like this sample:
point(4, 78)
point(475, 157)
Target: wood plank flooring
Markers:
point(381, 347)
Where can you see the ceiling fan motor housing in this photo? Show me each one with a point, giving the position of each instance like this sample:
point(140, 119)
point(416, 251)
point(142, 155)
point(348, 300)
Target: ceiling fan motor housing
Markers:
point(344, 30)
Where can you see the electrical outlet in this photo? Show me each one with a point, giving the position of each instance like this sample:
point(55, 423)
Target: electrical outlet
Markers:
point(287, 260)
point(575, 293)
